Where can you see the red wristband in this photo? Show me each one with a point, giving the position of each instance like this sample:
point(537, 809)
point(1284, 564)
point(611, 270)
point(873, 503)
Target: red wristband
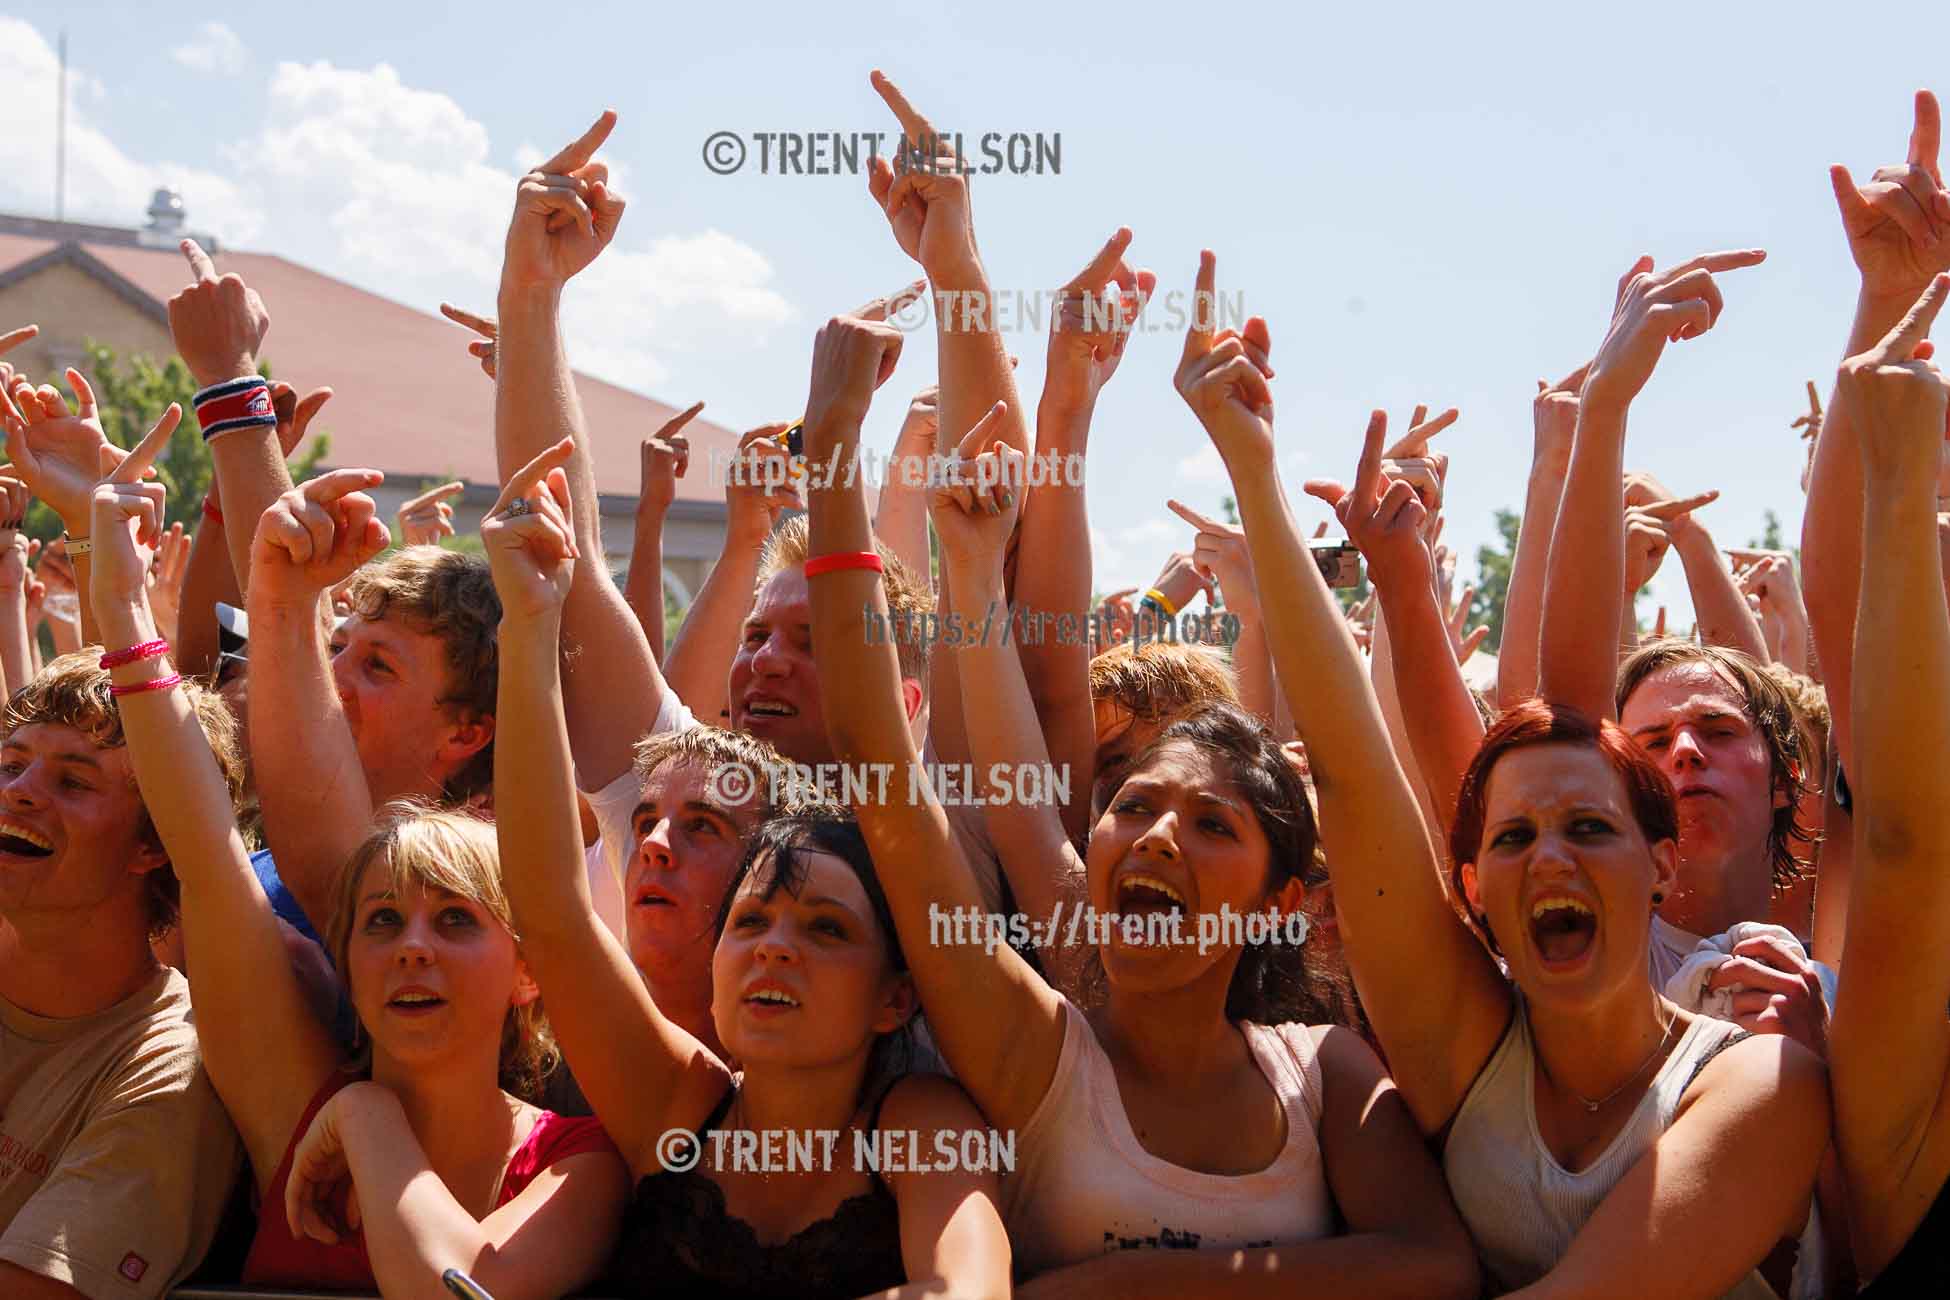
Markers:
point(134, 654)
point(153, 684)
point(819, 564)
point(211, 512)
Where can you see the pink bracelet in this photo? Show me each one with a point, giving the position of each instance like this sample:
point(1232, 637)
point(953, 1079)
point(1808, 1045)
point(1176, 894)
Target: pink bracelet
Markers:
point(153, 684)
point(135, 654)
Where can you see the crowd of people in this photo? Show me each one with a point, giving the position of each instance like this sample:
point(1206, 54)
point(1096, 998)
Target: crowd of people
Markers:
point(424, 931)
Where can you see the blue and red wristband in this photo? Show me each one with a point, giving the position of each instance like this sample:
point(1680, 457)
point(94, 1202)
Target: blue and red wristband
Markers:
point(243, 403)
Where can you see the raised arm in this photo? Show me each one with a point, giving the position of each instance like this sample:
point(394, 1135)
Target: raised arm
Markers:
point(266, 1053)
point(565, 214)
point(641, 1073)
point(1219, 553)
point(900, 516)
point(1894, 226)
point(1586, 568)
point(1889, 1045)
point(664, 457)
point(1089, 329)
point(16, 653)
point(317, 806)
point(999, 1025)
point(1554, 422)
point(927, 207)
point(1725, 619)
point(1433, 993)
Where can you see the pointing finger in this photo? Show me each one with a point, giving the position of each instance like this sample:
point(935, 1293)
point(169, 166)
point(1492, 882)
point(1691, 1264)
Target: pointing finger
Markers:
point(1367, 477)
point(578, 153)
point(201, 267)
point(1927, 135)
point(479, 324)
point(1667, 511)
point(529, 476)
point(1192, 517)
point(915, 127)
point(1900, 343)
point(137, 463)
point(1098, 273)
point(14, 338)
point(1198, 340)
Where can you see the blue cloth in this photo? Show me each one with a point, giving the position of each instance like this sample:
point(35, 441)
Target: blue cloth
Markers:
point(283, 902)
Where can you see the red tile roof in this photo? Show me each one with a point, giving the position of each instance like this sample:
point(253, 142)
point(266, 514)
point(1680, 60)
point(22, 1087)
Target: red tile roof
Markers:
point(407, 398)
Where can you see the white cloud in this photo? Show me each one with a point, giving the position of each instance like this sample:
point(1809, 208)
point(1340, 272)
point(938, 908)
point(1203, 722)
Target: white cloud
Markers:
point(103, 183)
point(1203, 466)
point(215, 49)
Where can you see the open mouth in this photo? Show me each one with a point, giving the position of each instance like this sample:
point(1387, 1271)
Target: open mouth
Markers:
point(1562, 929)
point(19, 842)
point(770, 709)
point(649, 898)
point(413, 1002)
point(1143, 894)
point(772, 999)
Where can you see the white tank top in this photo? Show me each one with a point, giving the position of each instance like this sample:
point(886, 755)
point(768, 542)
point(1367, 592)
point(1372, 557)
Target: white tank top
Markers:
point(1520, 1205)
point(1083, 1185)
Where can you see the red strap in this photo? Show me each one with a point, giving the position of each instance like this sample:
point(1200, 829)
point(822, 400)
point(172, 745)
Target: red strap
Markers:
point(819, 564)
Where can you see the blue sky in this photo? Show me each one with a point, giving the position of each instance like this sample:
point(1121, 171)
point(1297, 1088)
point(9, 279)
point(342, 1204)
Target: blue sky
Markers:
point(1427, 203)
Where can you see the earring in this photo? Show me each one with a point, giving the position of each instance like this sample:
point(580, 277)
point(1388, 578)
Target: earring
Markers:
point(1657, 898)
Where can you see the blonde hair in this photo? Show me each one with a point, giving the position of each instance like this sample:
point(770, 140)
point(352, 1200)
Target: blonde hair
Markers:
point(454, 852)
point(1162, 679)
point(73, 691)
point(775, 789)
point(910, 598)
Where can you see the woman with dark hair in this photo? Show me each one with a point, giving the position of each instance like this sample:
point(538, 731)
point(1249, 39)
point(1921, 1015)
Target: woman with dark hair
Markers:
point(811, 997)
point(1167, 1117)
point(1598, 1140)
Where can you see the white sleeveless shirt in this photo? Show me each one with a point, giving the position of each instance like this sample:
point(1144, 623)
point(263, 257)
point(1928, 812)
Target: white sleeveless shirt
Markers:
point(1521, 1206)
point(1084, 1186)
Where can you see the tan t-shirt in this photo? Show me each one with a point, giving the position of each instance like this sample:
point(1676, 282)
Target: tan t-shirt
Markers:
point(116, 1158)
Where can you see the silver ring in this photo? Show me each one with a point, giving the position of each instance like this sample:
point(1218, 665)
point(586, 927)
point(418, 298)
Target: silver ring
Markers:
point(519, 506)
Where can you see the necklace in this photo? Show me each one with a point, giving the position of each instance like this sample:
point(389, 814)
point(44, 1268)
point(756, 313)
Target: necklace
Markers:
point(1591, 1107)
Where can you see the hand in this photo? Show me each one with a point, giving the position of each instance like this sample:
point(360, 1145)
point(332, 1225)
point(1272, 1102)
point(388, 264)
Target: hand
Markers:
point(564, 215)
point(321, 1173)
point(1091, 326)
point(1641, 489)
point(294, 418)
point(1898, 225)
point(1220, 382)
point(1653, 310)
point(15, 546)
point(851, 358)
point(1463, 639)
point(921, 424)
point(1383, 516)
point(59, 455)
point(663, 457)
point(1648, 534)
point(761, 484)
point(1810, 424)
point(533, 553)
point(1219, 554)
point(974, 510)
point(927, 203)
point(425, 519)
point(1410, 458)
point(483, 348)
point(119, 576)
point(56, 570)
point(12, 339)
point(1117, 618)
point(1554, 417)
point(1897, 395)
point(315, 536)
point(1778, 992)
point(1770, 580)
point(166, 576)
point(218, 324)
point(1180, 580)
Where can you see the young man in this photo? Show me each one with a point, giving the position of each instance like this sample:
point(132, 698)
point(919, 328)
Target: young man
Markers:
point(1136, 690)
point(116, 1158)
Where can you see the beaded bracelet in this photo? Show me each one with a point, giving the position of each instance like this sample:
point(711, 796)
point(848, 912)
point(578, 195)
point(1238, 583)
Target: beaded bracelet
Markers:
point(153, 684)
point(135, 654)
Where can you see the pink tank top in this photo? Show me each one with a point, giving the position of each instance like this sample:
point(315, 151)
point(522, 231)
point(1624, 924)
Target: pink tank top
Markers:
point(279, 1259)
point(1084, 1186)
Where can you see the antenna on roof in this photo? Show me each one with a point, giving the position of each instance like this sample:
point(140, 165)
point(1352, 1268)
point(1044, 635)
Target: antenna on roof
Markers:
point(61, 134)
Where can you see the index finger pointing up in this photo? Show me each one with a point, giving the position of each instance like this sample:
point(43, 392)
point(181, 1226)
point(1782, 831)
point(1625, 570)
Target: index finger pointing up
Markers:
point(1198, 340)
point(201, 266)
point(529, 476)
point(1367, 476)
point(1926, 137)
point(584, 148)
point(1899, 344)
point(919, 131)
point(137, 462)
point(1192, 517)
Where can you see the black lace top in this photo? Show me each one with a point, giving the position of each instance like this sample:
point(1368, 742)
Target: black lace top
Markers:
point(679, 1244)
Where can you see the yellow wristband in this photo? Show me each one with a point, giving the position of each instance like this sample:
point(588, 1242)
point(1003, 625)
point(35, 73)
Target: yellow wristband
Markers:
point(1157, 598)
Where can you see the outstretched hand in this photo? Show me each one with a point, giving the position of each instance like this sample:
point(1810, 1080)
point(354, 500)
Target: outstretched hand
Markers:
point(120, 573)
point(663, 458)
point(1221, 381)
point(1382, 515)
point(974, 507)
point(425, 519)
point(1898, 395)
point(926, 201)
point(1219, 554)
point(529, 540)
point(851, 358)
point(316, 536)
point(59, 454)
point(1898, 225)
point(1092, 323)
point(1652, 310)
point(565, 214)
point(218, 323)
point(481, 349)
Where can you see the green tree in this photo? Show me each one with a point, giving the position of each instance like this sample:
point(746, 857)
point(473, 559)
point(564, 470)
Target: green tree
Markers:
point(1493, 578)
point(131, 397)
